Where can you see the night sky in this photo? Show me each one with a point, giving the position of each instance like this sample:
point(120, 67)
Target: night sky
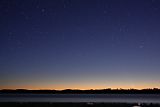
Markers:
point(79, 44)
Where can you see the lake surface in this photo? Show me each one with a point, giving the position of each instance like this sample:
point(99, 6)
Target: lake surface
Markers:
point(105, 98)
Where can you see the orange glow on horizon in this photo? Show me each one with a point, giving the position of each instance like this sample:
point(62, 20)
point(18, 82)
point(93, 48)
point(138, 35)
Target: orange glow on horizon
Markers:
point(80, 87)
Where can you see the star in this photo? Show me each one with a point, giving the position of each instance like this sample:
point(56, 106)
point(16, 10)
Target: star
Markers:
point(141, 46)
point(43, 10)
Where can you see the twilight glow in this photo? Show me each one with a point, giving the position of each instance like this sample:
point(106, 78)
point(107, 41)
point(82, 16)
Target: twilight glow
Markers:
point(79, 44)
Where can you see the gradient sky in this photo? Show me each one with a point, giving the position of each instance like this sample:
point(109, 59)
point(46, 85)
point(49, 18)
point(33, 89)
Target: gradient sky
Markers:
point(79, 44)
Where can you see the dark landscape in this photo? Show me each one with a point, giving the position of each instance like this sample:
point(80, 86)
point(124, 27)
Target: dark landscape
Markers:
point(78, 91)
point(29, 97)
point(76, 105)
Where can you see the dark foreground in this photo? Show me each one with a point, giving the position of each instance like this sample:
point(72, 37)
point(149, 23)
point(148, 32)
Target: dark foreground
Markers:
point(10, 104)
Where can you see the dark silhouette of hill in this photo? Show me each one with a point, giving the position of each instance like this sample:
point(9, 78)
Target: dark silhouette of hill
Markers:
point(96, 91)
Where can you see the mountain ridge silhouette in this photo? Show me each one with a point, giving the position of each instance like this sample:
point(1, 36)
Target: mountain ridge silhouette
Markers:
point(78, 91)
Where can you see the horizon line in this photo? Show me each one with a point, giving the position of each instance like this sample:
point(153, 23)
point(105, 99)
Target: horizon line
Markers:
point(85, 89)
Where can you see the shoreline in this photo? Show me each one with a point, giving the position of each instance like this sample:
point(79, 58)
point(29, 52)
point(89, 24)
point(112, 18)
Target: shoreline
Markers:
point(89, 104)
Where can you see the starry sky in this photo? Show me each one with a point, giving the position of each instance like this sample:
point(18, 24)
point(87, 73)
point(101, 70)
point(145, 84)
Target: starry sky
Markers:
point(79, 44)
